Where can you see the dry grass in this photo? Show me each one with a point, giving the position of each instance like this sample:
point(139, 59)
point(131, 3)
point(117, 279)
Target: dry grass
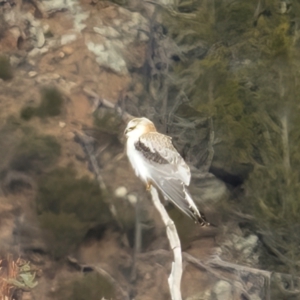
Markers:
point(9, 268)
point(15, 274)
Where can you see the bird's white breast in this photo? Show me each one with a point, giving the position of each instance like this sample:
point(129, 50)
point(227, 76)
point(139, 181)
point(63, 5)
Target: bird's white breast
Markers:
point(137, 161)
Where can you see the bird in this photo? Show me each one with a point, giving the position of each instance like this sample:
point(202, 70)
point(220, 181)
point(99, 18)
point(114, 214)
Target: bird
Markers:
point(156, 162)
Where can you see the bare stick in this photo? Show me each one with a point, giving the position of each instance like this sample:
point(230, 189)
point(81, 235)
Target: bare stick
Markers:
point(86, 142)
point(174, 279)
point(101, 101)
point(99, 269)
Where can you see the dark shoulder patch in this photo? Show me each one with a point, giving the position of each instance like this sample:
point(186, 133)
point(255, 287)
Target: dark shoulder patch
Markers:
point(152, 156)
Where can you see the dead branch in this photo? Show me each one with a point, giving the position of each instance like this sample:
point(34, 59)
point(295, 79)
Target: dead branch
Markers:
point(266, 275)
point(268, 243)
point(210, 146)
point(282, 289)
point(99, 269)
point(87, 143)
point(174, 279)
point(117, 286)
point(236, 282)
point(137, 240)
point(101, 101)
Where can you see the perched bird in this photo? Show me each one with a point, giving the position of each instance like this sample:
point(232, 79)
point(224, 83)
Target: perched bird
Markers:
point(156, 161)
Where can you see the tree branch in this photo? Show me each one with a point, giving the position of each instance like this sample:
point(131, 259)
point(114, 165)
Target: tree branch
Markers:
point(106, 103)
point(174, 279)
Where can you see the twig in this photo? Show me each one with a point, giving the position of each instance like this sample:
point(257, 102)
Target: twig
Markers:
point(219, 263)
point(283, 289)
point(105, 274)
point(86, 142)
point(102, 272)
point(210, 145)
point(268, 243)
point(240, 286)
point(98, 101)
point(174, 279)
point(172, 11)
point(137, 240)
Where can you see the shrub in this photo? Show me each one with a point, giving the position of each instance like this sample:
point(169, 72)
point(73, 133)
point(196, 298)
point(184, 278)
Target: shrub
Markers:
point(68, 207)
point(51, 102)
point(28, 112)
point(91, 286)
point(35, 153)
point(6, 72)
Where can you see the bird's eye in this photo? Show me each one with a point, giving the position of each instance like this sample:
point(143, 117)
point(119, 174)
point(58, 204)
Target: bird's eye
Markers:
point(131, 128)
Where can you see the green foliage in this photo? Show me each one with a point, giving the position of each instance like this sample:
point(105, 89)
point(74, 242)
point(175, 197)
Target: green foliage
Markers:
point(35, 153)
point(28, 112)
point(6, 72)
point(107, 121)
point(248, 83)
point(91, 286)
point(190, 29)
point(49, 34)
point(63, 232)
point(234, 19)
point(50, 106)
point(68, 207)
point(51, 102)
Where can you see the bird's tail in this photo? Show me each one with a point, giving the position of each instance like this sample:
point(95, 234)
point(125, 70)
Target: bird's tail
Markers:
point(199, 217)
point(176, 192)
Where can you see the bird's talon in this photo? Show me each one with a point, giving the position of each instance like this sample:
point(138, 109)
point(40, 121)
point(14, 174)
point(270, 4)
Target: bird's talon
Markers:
point(148, 186)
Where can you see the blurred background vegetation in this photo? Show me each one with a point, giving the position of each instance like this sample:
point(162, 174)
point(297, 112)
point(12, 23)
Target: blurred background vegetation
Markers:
point(223, 79)
point(248, 83)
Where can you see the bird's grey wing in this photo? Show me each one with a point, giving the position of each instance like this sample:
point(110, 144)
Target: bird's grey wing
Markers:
point(168, 172)
point(175, 191)
point(159, 151)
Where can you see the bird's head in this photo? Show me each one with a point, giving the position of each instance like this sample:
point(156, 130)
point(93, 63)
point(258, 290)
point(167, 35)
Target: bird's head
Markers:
point(138, 126)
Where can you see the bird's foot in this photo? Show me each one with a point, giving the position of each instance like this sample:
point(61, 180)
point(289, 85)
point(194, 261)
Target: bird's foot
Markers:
point(148, 186)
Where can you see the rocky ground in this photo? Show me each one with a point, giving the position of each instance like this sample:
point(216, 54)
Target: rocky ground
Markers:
point(91, 56)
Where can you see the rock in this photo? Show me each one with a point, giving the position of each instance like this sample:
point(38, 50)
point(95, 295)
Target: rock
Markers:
point(32, 73)
point(7, 222)
point(246, 245)
point(66, 86)
point(210, 188)
point(70, 136)
point(62, 124)
point(37, 51)
point(108, 32)
point(143, 37)
point(108, 56)
point(241, 249)
point(68, 38)
point(46, 78)
point(119, 50)
point(46, 28)
point(26, 296)
point(34, 52)
point(132, 199)
point(67, 50)
point(222, 290)
point(200, 296)
point(79, 17)
point(9, 38)
point(40, 37)
point(121, 192)
point(15, 60)
point(56, 5)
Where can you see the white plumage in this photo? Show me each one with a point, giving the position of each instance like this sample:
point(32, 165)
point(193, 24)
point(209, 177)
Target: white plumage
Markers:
point(156, 161)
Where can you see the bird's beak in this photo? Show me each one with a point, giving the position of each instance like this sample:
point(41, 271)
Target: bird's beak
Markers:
point(126, 130)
